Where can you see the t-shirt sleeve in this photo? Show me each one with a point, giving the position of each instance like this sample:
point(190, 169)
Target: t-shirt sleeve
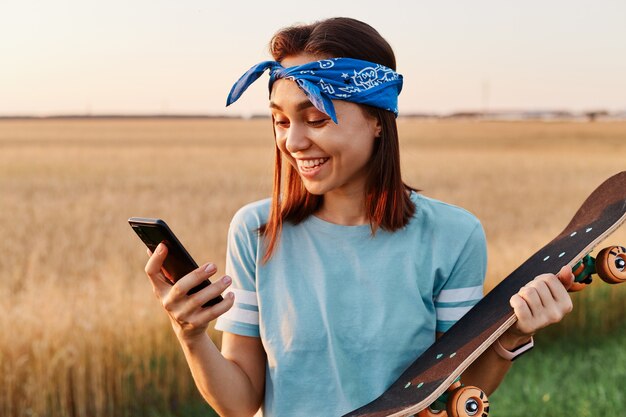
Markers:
point(243, 317)
point(464, 287)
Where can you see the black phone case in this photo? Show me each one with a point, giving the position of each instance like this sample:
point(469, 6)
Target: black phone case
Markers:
point(178, 262)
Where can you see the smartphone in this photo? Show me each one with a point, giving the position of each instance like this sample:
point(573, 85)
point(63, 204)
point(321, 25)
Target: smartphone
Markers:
point(178, 262)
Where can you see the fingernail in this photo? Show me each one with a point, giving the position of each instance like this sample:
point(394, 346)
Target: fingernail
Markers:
point(160, 248)
point(210, 268)
point(227, 280)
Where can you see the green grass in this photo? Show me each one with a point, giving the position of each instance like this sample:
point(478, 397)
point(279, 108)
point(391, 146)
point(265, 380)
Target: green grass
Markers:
point(580, 375)
point(160, 397)
point(194, 408)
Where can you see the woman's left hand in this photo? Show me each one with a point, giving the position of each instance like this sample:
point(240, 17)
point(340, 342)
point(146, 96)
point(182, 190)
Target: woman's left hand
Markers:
point(541, 302)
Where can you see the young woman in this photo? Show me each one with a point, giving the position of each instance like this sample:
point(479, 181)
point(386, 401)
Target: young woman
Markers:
point(346, 274)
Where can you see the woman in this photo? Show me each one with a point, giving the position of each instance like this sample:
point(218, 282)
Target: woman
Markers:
point(346, 275)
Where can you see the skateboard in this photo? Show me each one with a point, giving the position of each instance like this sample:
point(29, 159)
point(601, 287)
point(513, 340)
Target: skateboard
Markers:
point(434, 376)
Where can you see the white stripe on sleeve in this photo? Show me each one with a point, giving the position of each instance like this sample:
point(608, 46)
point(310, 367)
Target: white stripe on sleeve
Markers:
point(241, 315)
point(244, 296)
point(451, 313)
point(460, 295)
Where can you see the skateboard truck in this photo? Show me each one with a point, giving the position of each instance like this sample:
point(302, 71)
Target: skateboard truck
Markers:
point(609, 265)
point(583, 271)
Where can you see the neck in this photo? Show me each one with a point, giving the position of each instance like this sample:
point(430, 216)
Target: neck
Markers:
point(346, 209)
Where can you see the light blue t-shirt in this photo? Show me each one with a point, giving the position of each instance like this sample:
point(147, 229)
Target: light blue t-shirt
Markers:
point(341, 313)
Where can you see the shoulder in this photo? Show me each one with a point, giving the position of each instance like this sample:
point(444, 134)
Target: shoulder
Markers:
point(441, 215)
point(252, 215)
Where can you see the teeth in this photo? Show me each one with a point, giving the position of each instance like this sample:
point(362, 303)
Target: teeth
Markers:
point(311, 163)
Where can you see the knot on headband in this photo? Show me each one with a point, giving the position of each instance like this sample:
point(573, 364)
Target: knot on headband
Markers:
point(322, 81)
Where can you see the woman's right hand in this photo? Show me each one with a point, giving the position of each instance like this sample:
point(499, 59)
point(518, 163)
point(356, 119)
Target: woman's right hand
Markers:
point(189, 319)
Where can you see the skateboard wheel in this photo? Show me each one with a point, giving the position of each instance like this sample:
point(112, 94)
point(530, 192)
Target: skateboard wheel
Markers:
point(611, 264)
point(468, 402)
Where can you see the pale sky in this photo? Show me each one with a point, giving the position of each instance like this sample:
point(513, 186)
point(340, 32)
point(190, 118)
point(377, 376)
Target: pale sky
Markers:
point(177, 57)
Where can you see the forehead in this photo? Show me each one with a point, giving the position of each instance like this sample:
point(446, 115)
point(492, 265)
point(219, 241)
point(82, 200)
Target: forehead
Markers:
point(286, 93)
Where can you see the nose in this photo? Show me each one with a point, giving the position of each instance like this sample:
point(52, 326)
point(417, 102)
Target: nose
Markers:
point(297, 139)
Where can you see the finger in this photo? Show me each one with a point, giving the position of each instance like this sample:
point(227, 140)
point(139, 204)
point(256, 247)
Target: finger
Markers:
point(566, 276)
point(555, 301)
point(153, 267)
point(195, 277)
point(220, 308)
point(531, 296)
point(199, 299)
point(149, 252)
point(521, 309)
point(200, 318)
point(556, 286)
point(555, 297)
point(562, 302)
point(525, 320)
point(543, 290)
point(180, 291)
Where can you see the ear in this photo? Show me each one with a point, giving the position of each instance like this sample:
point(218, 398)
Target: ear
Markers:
point(378, 127)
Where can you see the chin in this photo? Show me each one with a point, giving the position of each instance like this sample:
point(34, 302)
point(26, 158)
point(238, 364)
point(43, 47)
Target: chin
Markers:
point(315, 189)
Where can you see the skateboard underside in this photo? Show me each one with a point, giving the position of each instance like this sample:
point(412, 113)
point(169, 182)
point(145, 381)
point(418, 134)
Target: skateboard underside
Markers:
point(438, 367)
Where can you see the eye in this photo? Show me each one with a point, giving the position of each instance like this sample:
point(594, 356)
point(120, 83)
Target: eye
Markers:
point(281, 122)
point(317, 122)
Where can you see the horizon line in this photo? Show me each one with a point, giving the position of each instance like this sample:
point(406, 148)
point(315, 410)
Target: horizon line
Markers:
point(503, 113)
point(549, 114)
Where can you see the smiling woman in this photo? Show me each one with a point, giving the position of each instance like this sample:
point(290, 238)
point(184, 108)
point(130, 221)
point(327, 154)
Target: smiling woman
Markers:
point(346, 274)
point(358, 66)
point(330, 157)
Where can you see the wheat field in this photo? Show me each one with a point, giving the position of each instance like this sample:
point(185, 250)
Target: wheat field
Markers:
point(81, 332)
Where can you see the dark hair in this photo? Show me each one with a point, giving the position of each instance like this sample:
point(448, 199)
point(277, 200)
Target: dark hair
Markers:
point(387, 201)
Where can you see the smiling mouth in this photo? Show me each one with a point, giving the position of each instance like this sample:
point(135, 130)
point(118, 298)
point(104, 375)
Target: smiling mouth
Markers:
point(311, 164)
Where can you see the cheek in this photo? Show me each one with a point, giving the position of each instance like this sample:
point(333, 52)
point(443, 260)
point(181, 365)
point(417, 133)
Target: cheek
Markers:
point(361, 150)
point(280, 140)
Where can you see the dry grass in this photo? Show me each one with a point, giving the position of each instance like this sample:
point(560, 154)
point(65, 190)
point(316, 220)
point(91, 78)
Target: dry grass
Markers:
point(81, 331)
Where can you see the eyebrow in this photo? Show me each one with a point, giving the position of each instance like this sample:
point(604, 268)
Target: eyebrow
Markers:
point(305, 104)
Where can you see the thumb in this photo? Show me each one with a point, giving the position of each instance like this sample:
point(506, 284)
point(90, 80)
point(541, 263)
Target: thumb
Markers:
point(154, 269)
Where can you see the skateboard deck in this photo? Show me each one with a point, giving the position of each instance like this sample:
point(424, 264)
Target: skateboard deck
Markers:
point(430, 375)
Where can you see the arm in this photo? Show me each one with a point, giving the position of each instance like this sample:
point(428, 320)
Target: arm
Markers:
point(541, 302)
point(232, 382)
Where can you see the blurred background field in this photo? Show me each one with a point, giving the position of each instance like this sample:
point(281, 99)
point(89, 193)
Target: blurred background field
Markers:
point(82, 334)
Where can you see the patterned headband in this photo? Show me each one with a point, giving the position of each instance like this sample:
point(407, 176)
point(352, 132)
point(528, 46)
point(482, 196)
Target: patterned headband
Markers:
point(336, 78)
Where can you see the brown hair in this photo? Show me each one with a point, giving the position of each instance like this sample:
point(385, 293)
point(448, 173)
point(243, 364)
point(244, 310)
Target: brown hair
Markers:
point(387, 202)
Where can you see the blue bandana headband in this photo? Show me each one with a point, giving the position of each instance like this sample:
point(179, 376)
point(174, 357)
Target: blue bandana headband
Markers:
point(336, 78)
